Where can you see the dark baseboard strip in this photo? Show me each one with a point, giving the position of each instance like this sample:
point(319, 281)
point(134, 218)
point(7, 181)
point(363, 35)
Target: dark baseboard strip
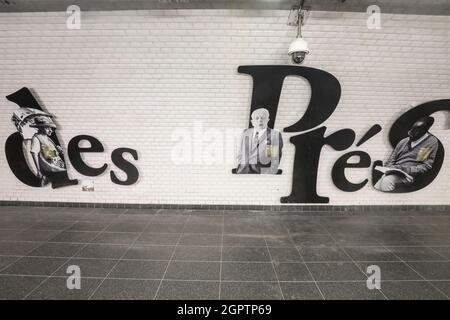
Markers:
point(303, 209)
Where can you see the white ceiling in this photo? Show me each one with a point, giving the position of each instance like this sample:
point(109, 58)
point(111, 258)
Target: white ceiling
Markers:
point(432, 7)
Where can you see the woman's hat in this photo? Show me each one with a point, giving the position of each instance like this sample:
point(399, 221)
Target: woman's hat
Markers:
point(43, 122)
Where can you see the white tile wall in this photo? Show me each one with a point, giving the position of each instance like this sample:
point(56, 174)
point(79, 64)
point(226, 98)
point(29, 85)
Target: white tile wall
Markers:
point(136, 78)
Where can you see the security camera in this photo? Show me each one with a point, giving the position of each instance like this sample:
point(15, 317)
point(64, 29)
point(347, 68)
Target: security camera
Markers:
point(298, 50)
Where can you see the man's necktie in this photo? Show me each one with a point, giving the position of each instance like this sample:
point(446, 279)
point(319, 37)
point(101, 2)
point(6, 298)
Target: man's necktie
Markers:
point(256, 139)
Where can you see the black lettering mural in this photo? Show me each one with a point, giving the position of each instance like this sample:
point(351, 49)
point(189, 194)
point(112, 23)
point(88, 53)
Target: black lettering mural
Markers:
point(131, 171)
point(414, 163)
point(338, 172)
point(75, 152)
point(36, 158)
point(308, 147)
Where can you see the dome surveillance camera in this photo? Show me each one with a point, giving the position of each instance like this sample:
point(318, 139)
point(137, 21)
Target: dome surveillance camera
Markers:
point(298, 50)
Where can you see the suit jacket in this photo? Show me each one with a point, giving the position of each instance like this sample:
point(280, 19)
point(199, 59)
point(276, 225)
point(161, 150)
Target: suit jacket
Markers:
point(260, 157)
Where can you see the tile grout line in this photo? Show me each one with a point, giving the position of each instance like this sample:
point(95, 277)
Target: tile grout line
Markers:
point(352, 260)
point(31, 250)
point(123, 255)
point(217, 261)
point(232, 281)
point(274, 270)
point(306, 265)
point(171, 257)
point(68, 258)
point(46, 277)
point(438, 253)
point(221, 255)
point(203, 234)
point(418, 273)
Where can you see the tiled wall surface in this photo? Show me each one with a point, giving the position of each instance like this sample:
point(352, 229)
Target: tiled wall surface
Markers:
point(139, 79)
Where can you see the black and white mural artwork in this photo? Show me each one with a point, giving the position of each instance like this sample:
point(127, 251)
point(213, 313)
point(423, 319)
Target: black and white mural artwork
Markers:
point(415, 160)
point(37, 158)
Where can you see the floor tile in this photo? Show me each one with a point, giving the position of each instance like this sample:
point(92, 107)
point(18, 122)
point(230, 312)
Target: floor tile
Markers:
point(34, 266)
point(370, 254)
point(323, 253)
point(349, 291)
point(35, 235)
point(433, 239)
point(244, 228)
point(284, 254)
point(312, 239)
point(300, 291)
point(201, 240)
point(124, 289)
point(197, 253)
point(279, 241)
point(398, 239)
point(332, 271)
point(126, 227)
point(307, 228)
point(250, 291)
point(443, 251)
point(432, 270)
point(55, 288)
point(165, 228)
point(16, 224)
point(89, 226)
point(56, 250)
point(74, 236)
point(52, 225)
point(97, 268)
point(17, 287)
point(10, 248)
point(205, 219)
point(6, 260)
point(161, 218)
point(100, 251)
point(208, 228)
point(444, 286)
point(116, 238)
point(148, 252)
point(292, 272)
point(10, 234)
point(248, 254)
point(158, 239)
point(139, 269)
point(180, 270)
point(392, 270)
point(355, 239)
point(188, 290)
point(415, 253)
point(108, 211)
point(253, 271)
point(244, 240)
point(410, 290)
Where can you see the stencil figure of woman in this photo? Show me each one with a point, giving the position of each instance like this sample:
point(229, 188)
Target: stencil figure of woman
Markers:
point(47, 155)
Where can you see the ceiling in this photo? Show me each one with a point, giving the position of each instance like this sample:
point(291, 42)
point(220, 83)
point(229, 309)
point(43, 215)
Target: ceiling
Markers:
point(429, 7)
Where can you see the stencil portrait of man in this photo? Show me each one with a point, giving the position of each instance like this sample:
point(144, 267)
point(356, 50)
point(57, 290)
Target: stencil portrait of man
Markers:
point(261, 147)
point(412, 158)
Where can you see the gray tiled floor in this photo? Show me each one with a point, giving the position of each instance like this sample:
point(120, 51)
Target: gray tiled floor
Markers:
point(183, 254)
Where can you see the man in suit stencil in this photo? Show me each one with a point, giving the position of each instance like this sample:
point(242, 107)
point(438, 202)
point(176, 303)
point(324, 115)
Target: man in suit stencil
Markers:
point(261, 147)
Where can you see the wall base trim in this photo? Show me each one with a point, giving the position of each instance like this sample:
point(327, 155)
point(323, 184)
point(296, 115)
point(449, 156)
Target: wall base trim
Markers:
point(301, 209)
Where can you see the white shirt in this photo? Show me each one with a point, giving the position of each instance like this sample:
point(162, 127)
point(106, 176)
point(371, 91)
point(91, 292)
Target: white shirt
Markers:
point(415, 143)
point(260, 132)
